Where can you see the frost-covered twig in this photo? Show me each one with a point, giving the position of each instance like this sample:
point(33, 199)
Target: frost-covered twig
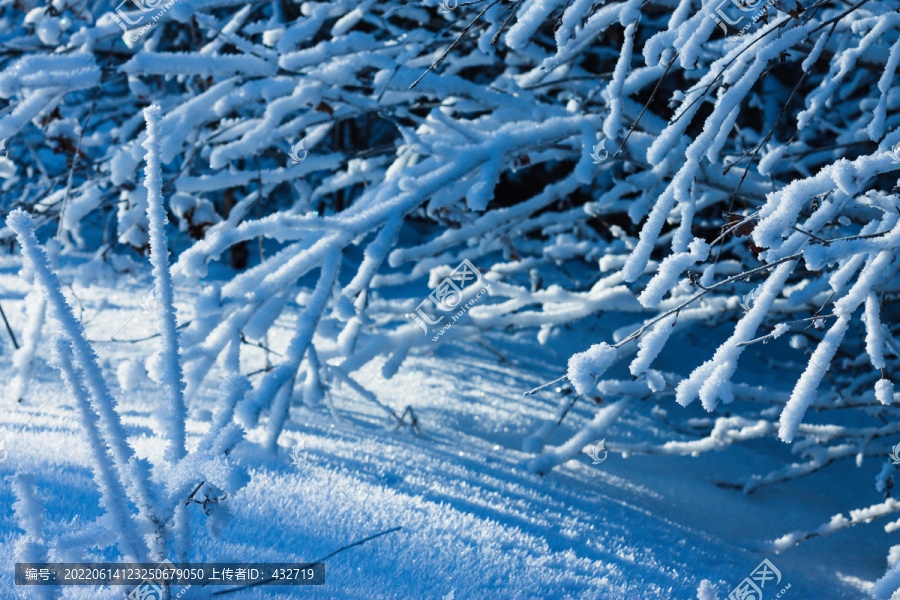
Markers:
point(838, 522)
point(24, 358)
point(133, 473)
point(112, 487)
point(32, 547)
point(544, 462)
point(497, 160)
point(170, 376)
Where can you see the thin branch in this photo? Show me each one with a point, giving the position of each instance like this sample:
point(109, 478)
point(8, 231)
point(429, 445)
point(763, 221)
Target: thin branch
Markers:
point(318, 560)
point(725, 233)
point(638, 332)
point(765, 337)
point(447, 51)
point(196, 489)
point(864, 515)
point(87, 122)
point(134, 341)
point(647, 104)
point(244, 340)
point(9, 329)
point(815, 237)
point(506, 22)
point(546, 385)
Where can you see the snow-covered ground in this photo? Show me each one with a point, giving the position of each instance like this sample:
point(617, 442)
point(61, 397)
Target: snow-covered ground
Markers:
point(468, 516)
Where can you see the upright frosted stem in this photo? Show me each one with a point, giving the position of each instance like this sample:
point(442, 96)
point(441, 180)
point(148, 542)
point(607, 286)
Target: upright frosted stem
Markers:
point(171, 376)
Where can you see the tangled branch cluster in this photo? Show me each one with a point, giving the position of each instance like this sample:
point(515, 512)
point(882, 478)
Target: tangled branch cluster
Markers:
point(749, 180)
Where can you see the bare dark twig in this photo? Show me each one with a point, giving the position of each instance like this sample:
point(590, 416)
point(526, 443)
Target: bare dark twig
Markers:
point(456, 41)
point(318, 560)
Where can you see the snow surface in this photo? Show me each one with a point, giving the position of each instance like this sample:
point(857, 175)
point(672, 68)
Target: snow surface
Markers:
point(471, 515)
